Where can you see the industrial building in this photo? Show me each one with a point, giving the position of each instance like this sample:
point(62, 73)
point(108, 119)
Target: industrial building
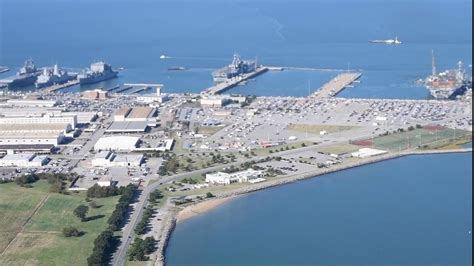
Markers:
point(127, 127)
point(222, 178)
point(31, 103)
point(32, 137)
point(110, 159)
point(116, 143)
point(96, 94)
point(153, 98)
point(23, 160)
point(214, 101)
point(42, 119)
point(134, 114)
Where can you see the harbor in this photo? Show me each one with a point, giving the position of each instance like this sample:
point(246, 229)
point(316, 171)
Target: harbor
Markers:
point(337, 84)
point(230, 83)
point(57, 87)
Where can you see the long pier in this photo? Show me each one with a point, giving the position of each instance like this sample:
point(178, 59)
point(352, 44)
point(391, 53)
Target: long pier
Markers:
point(218, 88)
point(336, 85)
point(57, 87)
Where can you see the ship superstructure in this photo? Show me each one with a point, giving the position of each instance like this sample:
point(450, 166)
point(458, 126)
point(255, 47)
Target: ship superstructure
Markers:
point(26, 76)
point(236, 68)
point(52, 76)
point(447, 84)
point(98, 71)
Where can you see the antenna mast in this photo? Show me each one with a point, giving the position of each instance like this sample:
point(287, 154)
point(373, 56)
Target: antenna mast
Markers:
point(433, 64)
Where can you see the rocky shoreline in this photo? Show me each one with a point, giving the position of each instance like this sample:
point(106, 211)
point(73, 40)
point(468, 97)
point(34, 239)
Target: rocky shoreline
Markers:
point(224, 197)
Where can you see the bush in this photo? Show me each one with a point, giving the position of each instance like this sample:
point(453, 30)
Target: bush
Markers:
point(81, 212)
point(97, 191)
point(71, 231)
point(26, 179)
point(209, 195)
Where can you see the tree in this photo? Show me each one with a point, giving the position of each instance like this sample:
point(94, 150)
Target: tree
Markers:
point(81, 212)
point(209, 195)
point(303, 144)
point(69, 231)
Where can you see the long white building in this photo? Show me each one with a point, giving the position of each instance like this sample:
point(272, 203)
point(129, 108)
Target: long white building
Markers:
point(23, 160)
point(43, 119)
point(222, 178)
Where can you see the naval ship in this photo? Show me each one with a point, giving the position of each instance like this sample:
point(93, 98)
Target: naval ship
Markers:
point(389, 41)
point(236, 68)
point(447, 84)
point(53, 76)
point(26, 76)
point(99, 71)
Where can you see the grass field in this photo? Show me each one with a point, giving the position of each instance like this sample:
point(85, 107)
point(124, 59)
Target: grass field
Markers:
point(315, 129)
point(415, 138)
point(41, 241)
point(339, 148)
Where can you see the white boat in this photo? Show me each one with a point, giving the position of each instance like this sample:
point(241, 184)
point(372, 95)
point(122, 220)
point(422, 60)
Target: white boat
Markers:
point(164, 56)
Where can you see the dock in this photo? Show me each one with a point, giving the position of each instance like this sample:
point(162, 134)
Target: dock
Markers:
point(121, 89)
point(139, 89)
point(220, 87)
point(57, 87)
point(337, 84)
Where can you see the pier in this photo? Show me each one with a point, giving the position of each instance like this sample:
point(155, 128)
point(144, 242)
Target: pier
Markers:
point(337, 84)
point(218, 88)
point(57, 87)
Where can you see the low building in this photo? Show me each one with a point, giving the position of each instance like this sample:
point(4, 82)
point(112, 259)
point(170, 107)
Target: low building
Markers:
point(116, 143)
point(368, 152)
point(215, 101)
point(31, 103)
point(42, 119)
point(110, 159)
point(29, 136)
point(237, 177)
point(96, 94)
point(23, 160)
point(127, 127)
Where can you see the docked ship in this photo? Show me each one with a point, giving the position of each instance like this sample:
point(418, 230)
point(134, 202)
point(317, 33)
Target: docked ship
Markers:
point(388, 41)
point(99, 71)
point(53, 76)
point(236, 68)
point(26, 76)
point(447, 84)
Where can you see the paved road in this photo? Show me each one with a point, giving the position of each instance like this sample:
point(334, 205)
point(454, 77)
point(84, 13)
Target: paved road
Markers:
point(128, 231)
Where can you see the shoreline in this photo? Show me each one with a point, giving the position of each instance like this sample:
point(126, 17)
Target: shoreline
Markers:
point(201, 207)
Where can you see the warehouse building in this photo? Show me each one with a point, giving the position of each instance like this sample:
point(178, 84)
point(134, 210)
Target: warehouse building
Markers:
point(127, 127)
point(110, 159)
point(42, 119)
point(116, 143)
point(31, 103)
point(31, 137)
point(367, 152)
point(23, 160)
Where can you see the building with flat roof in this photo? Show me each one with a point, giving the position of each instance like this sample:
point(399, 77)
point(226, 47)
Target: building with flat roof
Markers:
point(31, 102)
point(116, 143)
point(43, 119)
point(222, 178)
point(367, 152)
point(127, 127)
point(23, 160)
point(110, 159)
point(121, 113)
point(96, 94)
point(31, 135)
point(213, 101)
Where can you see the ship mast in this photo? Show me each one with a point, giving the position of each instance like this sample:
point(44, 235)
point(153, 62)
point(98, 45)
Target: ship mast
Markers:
point(433, 64)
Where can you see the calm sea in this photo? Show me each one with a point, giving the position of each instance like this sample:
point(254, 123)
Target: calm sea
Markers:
point(202, 35)
point(420, 214)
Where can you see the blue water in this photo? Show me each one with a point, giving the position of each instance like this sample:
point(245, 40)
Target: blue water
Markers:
point(203, 35)
point(371, 215)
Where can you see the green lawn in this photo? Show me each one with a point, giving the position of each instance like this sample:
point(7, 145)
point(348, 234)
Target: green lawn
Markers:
point(42, 242)
point(418, 137)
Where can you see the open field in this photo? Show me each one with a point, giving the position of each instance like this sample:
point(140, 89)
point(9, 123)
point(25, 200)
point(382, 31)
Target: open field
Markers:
point(414, 138)
point(315, 129)
point(41, 242)
point(339, 148)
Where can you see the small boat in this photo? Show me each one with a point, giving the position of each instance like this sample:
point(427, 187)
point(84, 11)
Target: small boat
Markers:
point(164, 56)
point(177, 68)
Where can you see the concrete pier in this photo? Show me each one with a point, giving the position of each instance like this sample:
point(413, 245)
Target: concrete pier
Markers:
point(218, 88)
point(336, 85)
point(57, 87)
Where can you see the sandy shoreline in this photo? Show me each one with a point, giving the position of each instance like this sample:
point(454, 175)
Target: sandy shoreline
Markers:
point(201, 207)
point(206, 205)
